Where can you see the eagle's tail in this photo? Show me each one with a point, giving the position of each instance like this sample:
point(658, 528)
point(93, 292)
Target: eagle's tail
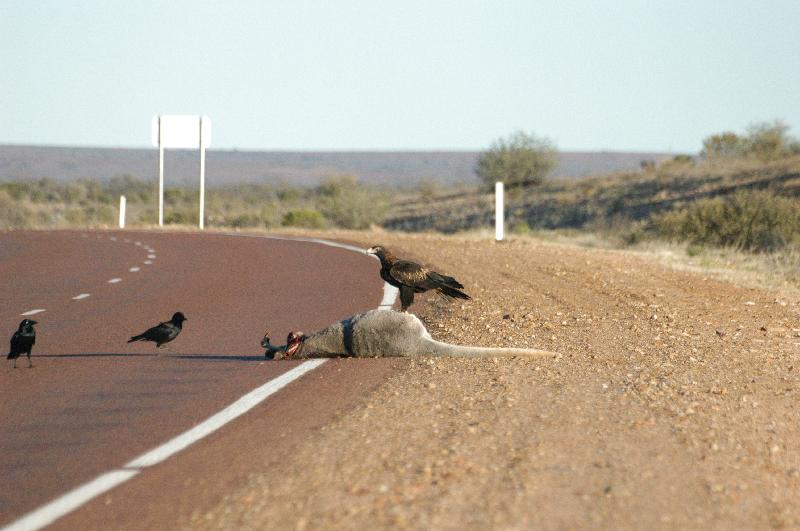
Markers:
point(445, 280)
point(453, 292)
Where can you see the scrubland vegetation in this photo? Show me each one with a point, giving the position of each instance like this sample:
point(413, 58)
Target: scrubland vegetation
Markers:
point(740, 194)
point(338, 202)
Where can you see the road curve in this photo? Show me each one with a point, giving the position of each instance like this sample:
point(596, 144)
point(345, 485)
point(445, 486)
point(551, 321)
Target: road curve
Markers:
point(93, 402)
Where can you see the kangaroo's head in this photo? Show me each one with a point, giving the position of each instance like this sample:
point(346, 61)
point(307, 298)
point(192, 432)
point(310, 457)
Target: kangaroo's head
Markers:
point(293, 342)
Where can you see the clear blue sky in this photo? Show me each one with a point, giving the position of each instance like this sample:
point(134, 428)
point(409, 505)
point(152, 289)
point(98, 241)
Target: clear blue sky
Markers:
point(337, 75)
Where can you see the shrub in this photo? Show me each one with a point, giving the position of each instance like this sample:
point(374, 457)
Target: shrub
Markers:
point(522, 159)
point(521, 228)
point(244, 220)
point(349, 205)
point(769, 141)
point(14, 215)
point(723, 146)
point(181, 216)
point(303, 217)
point(752, 221)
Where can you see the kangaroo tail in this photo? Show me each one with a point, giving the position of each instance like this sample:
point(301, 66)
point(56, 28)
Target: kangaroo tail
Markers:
point(453, 292)
point(460, 351)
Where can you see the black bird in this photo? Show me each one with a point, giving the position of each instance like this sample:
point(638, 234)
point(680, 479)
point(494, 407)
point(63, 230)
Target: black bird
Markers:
point(410, 277)
point(22, 341)
point(162, 332)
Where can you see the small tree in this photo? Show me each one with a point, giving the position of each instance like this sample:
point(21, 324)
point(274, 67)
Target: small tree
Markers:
point(769, 141)
point(723, 146)
point(521, 159)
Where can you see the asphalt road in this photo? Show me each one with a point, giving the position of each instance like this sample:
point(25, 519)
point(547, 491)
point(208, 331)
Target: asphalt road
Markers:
point(93, 402)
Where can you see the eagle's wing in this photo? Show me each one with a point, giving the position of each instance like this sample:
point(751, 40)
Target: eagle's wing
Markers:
point(410, 274)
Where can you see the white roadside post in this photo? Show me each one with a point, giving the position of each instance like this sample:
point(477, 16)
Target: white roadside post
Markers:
point(160, 176)
point(202, 175)
point(122, 211)
point(182, 132)
point(499, 214)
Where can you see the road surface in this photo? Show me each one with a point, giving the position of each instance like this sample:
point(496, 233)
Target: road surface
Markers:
point(93, 402)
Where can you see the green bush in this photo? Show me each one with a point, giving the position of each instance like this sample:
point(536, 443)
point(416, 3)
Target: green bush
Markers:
point(349, 205)
point(752, 221)
point(521, 228)
point(13, 214)
point(181, 216)
point(522, 159)
point(303, 217)
point(244, 220)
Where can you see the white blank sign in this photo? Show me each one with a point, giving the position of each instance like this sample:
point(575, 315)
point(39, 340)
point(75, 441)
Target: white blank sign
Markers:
point(181, 131)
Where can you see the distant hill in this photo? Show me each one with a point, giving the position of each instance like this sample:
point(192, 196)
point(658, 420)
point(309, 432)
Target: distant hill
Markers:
point(294, 167)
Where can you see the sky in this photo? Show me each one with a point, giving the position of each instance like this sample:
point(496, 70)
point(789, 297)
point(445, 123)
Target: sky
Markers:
point(624, 75)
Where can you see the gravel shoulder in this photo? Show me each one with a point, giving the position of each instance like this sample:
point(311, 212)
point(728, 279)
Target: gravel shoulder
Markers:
point(674, 403)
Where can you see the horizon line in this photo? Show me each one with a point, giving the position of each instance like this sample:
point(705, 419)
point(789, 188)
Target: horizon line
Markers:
point(341, 150)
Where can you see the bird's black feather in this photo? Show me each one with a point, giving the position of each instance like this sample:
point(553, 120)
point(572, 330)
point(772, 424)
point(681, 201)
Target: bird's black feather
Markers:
point(410, 278)
point(22, 341)
point(162, 332)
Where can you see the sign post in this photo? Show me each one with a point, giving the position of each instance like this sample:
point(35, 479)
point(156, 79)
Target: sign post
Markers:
point(182, 132)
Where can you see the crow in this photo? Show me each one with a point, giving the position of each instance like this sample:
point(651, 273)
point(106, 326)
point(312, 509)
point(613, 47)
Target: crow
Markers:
point(411, 278)
point(162, 332)
point(22, 341)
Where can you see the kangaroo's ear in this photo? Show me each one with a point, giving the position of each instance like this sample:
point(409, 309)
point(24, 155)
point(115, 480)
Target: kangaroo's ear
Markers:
point(265, 339)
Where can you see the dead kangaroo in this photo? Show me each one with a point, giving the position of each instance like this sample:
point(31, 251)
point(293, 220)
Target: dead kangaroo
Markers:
point(380, 333)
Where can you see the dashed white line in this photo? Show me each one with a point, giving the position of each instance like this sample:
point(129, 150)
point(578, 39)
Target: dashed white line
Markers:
point(113, 239)
point(151, 256)
point(138, 243)
point(133, 269)
point(33, 312)
point(81, 296)
point(148, 262)
point(50, 512)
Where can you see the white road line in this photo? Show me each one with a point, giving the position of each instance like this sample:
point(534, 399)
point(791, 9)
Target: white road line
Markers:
point(133, 269)
point(215, 422)
point(81, 296)
point(50, 512)
point(148, 262)
point(33, 312)
point(113, 239)
point(151, 256)
point(114, 280)
point(138, 243)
